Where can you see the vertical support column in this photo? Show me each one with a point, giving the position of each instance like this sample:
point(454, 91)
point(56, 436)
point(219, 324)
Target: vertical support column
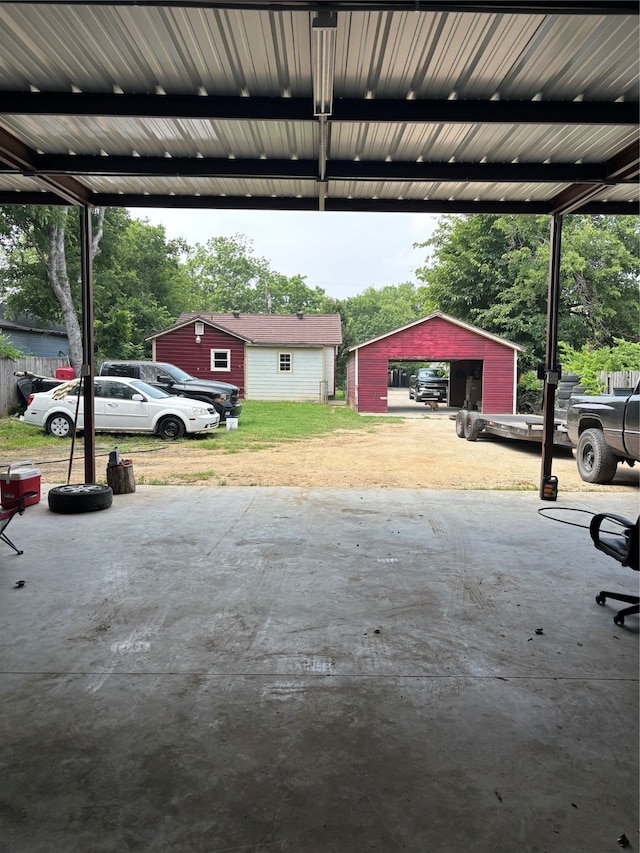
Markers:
point(87, 344)
point(548, 484)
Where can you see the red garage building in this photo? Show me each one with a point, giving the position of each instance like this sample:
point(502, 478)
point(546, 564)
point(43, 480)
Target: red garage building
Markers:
point(483, 367)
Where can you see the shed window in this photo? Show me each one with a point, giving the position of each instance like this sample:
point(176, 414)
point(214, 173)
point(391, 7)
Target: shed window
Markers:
point(199, 330)
point(285, 362)
point(220, 359)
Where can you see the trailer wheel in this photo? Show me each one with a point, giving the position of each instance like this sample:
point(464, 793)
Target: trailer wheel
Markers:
point(460, 423)
point(85, 497)
point(471, 426)
point(596, 461)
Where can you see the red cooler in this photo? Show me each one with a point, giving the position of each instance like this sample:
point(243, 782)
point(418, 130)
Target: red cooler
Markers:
point(19, 478)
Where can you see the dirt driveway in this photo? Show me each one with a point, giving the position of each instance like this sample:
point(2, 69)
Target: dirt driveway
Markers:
point(419, 450)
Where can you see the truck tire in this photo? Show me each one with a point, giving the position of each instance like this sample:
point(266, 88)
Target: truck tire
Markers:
point(460, 423)
point(85, 497)
point(596, 461)
point(569, 379)
point(471, 426)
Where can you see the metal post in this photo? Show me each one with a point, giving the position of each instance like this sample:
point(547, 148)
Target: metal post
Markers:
point(87, 345)
point(548, 483)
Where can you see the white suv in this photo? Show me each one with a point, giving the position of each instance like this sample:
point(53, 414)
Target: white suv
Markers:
point(121, 405)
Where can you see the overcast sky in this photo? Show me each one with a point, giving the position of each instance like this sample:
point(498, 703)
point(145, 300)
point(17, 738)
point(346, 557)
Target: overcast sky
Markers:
point(343, 253)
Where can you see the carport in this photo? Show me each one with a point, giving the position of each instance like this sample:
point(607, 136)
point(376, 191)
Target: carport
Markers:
point(288, 670)
point(351, 105)
point(483, 367)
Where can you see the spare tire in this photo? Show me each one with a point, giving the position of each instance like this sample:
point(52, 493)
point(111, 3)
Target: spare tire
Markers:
point(460, 423)
point(83, 497)
point(569, 379)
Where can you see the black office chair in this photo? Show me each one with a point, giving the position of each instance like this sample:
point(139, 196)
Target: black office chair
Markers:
point(622, 545)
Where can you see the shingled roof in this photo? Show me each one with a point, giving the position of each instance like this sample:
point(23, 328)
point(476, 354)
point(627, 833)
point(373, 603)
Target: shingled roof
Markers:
point(271, 329)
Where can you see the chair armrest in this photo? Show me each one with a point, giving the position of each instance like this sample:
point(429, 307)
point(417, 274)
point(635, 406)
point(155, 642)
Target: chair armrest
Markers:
point(622, 546)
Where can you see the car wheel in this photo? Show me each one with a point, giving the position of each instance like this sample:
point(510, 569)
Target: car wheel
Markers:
point(60, 425)
point(460, 423)
point(471, 426)
point(85, 497)
point(596, 461)
point(170, 429)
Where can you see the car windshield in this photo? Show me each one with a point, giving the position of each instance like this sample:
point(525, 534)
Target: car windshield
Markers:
point(149, 390)
point(177, 374)
point(430, 373)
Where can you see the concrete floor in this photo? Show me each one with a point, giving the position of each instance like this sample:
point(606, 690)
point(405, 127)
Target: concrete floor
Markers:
point(207, 670)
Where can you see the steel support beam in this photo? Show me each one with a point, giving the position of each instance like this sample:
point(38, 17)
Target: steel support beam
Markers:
point(623, 168)
point(498, 7)
point(548, 484)
point(20, 158)
point(332, 170)
point(332, 203)
point(87, 345)
point(348, 110)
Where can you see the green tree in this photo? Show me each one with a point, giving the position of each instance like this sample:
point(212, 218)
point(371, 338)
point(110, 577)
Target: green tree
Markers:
point(493, 271)
point(138, 277)
point(140, 285)
point(375, 312)
point(41, 263)
point(226, 276)
point(589, 361)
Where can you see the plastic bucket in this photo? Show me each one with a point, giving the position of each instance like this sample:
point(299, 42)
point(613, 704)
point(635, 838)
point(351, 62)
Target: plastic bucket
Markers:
point(232, 424)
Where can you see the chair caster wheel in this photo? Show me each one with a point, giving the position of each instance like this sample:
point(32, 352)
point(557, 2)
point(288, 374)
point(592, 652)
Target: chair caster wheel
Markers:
point(600, 599)
point(619, 620)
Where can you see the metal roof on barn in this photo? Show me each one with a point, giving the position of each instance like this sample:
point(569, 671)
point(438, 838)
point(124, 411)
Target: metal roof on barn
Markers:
point(270, 329)
point(431, 107)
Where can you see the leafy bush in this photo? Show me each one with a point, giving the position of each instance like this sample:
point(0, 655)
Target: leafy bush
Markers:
point(529, 392)
point(8, 350)
point(588, 362)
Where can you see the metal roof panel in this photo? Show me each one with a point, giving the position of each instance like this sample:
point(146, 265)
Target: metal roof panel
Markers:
point(150, 51)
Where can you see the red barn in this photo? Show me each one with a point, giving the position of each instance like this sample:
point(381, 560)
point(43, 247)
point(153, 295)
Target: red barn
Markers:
point(483, 368)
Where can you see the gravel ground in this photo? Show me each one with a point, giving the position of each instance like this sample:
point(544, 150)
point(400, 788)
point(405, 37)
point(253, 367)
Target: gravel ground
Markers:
point(419, 450)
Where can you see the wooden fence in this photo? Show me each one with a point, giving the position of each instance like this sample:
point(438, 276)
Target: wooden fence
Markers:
point(619, 379)
point(9, 397)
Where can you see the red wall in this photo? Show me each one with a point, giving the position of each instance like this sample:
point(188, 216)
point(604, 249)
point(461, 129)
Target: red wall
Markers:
point(436, 339)
point(179, 347)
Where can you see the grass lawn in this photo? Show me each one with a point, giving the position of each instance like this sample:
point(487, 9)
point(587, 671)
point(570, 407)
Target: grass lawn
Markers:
point(260, 426)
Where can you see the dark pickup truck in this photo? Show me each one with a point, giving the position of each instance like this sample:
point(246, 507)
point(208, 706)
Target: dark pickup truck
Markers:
point(429, 383)
point(605, 430)
point(176, 381)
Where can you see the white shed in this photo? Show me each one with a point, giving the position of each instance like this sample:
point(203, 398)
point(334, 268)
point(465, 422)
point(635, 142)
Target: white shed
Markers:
point(268, 356)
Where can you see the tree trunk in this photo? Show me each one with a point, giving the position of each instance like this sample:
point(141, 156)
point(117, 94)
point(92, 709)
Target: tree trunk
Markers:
point(59, 281)
point(59, 278)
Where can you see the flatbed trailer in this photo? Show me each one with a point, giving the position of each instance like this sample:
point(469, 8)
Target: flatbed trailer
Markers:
point(471, 425)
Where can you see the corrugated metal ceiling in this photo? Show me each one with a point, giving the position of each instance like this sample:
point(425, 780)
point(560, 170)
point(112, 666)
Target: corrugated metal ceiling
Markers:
point(210, 104)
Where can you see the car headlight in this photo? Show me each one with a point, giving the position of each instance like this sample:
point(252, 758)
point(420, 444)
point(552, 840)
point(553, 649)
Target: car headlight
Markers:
point(200, 410)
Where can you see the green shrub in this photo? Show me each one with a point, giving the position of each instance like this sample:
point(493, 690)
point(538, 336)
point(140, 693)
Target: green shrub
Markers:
point(588, 362)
